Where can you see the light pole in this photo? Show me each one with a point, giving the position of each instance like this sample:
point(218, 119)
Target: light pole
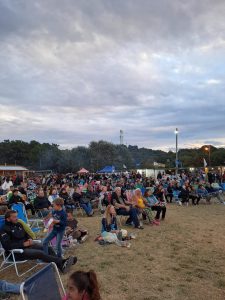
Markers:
point(208, 148)
point(176, 133)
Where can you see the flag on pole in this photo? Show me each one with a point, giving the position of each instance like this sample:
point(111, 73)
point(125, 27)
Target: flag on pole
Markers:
point(205, 163)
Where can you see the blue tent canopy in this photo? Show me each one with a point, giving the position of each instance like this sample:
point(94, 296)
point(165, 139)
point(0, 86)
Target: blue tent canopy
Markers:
point(107, 169)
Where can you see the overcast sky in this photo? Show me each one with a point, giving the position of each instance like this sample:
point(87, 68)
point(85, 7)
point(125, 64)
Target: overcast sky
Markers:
point(74, 71)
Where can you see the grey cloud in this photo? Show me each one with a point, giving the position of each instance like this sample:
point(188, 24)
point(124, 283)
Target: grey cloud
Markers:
point(99, 66)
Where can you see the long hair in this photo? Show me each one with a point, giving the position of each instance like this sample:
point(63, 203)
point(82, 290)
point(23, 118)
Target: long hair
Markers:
point(135, 198)
point(108, 215)
point(86, 282)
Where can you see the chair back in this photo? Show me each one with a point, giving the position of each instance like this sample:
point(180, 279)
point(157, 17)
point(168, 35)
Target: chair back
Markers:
point(20, 208)
point(223, 186)
point(45, 284)
point(2, 221)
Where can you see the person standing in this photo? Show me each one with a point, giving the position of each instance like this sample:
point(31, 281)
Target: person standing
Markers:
point(6, 185)
point(59, 225)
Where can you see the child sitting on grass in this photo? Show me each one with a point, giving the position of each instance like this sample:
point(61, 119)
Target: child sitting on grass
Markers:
point(78, 235)
point(110, 232)
point(59, 219)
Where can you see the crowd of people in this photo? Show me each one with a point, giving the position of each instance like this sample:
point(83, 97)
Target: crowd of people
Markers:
point(55, 198)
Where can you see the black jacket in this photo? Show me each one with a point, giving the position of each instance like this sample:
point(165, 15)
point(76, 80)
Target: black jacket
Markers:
point(41, 203)
point(12, 236)
point(184, 194)
point(14, 200)
point(77, 197)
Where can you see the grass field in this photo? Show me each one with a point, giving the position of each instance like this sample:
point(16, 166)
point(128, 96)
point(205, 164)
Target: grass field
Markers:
point(184, 258)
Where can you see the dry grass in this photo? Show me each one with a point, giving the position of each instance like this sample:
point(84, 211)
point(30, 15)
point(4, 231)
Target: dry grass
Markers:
point(184, 258)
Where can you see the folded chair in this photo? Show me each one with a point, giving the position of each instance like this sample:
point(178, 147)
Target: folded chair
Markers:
point(45, 284)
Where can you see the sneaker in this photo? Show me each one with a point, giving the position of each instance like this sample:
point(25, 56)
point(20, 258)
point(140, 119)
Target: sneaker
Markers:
point(74, 260)
point(83, 238)
point(127, 245)
point(139, 227)
point(132, 236)
point(75, 242)
point(67, 264)
point(156, 222)
point(128, 224)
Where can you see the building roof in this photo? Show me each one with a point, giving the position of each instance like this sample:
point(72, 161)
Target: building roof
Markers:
point(12, 168)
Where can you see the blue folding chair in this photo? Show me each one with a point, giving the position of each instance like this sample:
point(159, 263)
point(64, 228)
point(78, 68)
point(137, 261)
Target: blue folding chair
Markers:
point(45, 284)
point(223, 186)
point(176, 195)
point(22, 215)
point(143, 190)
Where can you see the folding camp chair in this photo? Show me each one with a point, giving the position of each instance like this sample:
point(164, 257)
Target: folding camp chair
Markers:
point(176, 195)
point(45, 284)
point(223, 186)
point(22, 214)
point(121, 219)
point(79, 208)
point(9, 259)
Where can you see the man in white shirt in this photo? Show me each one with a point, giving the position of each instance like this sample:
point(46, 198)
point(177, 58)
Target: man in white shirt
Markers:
point(6, 185)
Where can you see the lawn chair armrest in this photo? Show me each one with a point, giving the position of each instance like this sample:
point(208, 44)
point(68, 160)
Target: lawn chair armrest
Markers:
point(17, 251)
point(36, 220)
point(37, 241)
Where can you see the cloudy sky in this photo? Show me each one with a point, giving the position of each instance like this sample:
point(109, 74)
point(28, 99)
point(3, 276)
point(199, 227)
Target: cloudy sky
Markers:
point(73, 71)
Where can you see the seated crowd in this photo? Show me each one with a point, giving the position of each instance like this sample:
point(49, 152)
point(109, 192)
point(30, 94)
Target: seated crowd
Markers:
point(56, 198)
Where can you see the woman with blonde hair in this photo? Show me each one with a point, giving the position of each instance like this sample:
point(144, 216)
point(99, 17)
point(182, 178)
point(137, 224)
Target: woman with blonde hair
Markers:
point(110, 231)
point(142, 204)
point(109, 223)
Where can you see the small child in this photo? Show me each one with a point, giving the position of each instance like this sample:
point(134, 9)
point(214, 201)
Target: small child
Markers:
point(78, 235)
point(59, 219)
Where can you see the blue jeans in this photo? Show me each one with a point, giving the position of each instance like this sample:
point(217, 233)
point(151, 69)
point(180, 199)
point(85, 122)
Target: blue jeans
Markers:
point(87, 208)
point(8, 287)
point(59, 237)
point(132, 213)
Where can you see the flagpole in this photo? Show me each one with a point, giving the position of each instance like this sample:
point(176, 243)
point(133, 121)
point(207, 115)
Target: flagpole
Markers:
point(176, 133)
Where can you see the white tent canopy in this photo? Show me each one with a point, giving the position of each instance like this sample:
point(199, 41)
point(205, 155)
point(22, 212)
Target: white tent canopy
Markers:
point(83, 171)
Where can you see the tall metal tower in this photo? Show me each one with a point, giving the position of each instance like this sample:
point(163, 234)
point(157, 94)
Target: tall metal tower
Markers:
point(121, 137)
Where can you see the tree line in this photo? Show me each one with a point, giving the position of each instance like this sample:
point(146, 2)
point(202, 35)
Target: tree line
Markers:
point(42, 156)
